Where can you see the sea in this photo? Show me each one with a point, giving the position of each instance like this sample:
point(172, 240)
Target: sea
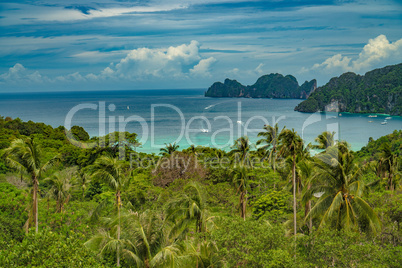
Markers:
point(186, 117)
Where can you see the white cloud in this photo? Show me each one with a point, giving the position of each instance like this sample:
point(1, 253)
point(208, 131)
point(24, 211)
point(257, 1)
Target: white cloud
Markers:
point(203, 67)
point(18, 73)
point(375, 51)
point(259, 70)
point(142, 64)
point(178, 62)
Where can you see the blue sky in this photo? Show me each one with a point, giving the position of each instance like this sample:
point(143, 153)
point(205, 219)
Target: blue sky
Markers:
point(52, 45)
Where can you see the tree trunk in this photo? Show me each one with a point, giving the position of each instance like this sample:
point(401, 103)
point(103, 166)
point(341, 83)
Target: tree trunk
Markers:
point(390, 184)
point(311, 219)
point(307, 209)
point(242, 206)
point(245, 206)
point(294, 196)
point(273, 158)
point(118, 228)
point(35, 203)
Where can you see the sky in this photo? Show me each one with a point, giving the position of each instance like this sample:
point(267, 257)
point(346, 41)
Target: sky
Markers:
point(59, 45)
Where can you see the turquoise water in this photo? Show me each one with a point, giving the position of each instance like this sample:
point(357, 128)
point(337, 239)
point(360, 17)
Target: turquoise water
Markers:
point(187, 117)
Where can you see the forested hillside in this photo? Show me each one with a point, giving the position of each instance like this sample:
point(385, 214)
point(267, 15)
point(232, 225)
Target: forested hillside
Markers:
point(267, 86)
point(378, 91)
point(271, 206)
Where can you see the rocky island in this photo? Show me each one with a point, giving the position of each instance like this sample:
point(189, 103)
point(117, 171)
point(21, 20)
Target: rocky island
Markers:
point(272, 85)
point(378, 91)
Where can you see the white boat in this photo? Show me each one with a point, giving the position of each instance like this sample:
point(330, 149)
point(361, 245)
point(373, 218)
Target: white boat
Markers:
point(239, 122)
point(384, 123)
point(372, 116)
point(370, 121)
point(388, 117)
point(204, 130)
point(128, 107)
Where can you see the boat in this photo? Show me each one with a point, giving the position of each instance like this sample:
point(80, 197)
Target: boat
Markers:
point(370, 121)
point(239, 122)
point(128, 107)
point(388, 117)
point(340, 114)
point(372, 116)
point(204, 130)
point(384, 123)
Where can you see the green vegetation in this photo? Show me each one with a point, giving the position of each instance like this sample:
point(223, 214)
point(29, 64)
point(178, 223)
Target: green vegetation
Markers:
point(378, 91)
point(267, 86)
point(273, 205)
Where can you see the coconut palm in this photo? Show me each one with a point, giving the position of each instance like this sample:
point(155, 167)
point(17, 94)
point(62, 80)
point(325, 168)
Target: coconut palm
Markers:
point(291, 145)
point(305, 169)
point(240, 180)
point(203, 254)
point(26, 156)
point(388, 164)
point(169, 149)
point(59, 190)
point(189, 207)
point(145, 242)
point(242, 148)
point(113, 172)
point(324, 140)
point(270, 142)
point(339, 188)
point(81, 181)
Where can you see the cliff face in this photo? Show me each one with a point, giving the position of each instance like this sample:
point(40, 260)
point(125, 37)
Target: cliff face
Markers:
point(267, 86)
point(378, 91)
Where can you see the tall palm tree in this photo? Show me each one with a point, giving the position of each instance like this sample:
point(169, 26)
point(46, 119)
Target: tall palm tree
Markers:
point(388, 164)
point(145, 242)
point(240, 180)
point(324, 140)
point(270, 140)
point(59, 190)
point(113, 172)
point(81, 181)
point(291, 145)
point(169, 149)
point(338, 184)
point(190, 206)
point(26, 156)
point(242, 148)
point(203, 254)
point(306, 171)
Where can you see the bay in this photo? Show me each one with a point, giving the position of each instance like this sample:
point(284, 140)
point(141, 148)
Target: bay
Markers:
point(187, 117)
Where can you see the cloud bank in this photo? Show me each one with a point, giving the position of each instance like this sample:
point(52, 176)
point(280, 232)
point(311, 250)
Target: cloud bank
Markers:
point(142, 64)
point(377, 50)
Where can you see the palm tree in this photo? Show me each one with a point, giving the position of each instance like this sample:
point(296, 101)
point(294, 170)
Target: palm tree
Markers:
point(324, 140)
point(242, 148)
point(169, 149)
point(240, 181)
point(189, 206)
point(113, 172)
point(146, 241)
point(388, 164)
point(81, 181)
point(270, 141)
point(203, 254)
point(340, 190)
point(306, 171)
point(291, 145)
point(26, 156)
point(59, 190)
